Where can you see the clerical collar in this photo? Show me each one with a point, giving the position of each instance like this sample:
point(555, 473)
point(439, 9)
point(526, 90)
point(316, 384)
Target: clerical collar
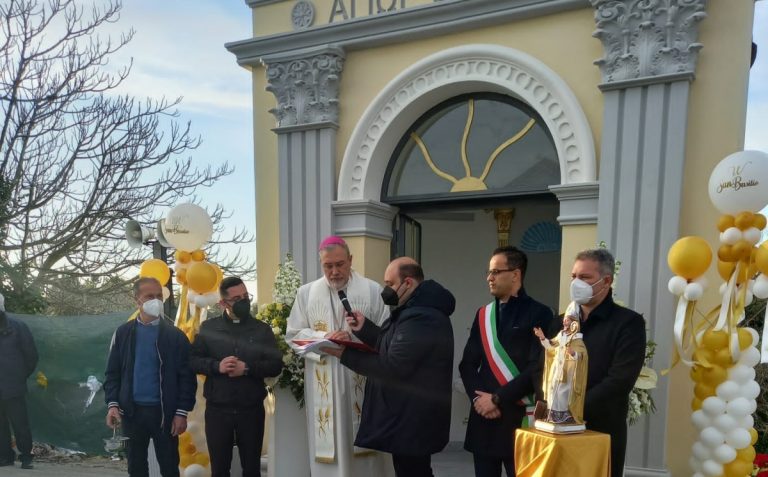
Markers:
point(232, 319)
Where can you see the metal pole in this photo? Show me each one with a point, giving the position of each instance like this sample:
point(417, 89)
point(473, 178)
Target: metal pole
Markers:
point(158, 251)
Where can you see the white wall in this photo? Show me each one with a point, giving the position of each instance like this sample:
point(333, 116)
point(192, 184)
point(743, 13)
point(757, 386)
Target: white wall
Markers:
point(456, 248)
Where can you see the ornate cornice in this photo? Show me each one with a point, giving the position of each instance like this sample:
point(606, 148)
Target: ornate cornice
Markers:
point(647, 39)
point(306, 87)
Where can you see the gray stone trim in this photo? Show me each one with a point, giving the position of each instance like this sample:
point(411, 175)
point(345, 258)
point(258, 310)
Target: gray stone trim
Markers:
point(645, 39)
point(306, 86)
point(423, 21)
point(578, 202)
point(258, 3)
point(306, 127)
point(648, 80)
point(367, 218)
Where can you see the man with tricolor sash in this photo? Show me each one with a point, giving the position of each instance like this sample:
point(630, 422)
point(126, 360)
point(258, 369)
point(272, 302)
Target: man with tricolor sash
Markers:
point(500, 362)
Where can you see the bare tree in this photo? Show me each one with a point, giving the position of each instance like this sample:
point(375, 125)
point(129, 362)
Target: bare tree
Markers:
point(77, 159)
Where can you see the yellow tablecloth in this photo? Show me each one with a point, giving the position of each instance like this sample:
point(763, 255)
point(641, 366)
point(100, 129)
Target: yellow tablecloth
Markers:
point(539, 454)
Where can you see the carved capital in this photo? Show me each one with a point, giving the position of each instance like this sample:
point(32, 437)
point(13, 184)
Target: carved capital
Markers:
point(646, 39)
point(306, 87)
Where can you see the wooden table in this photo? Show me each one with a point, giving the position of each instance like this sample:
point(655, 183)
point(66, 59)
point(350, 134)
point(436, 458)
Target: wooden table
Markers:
point(540, 454)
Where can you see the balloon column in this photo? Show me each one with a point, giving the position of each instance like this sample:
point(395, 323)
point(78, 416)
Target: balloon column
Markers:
point(722, 355)
point(188, 228)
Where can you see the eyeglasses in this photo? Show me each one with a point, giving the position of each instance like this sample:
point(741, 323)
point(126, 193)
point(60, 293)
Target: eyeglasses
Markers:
point(493, 272)
point(235, 299)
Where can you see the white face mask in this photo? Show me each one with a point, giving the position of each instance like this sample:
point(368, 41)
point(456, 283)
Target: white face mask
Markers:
point(581, 291)
point(153, 307)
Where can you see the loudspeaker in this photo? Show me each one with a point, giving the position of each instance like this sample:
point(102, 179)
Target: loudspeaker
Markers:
point(136, 234)
point(160, 233)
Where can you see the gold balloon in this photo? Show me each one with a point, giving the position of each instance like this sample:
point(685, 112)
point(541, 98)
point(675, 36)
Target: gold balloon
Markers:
point(703, 391)
point(185, 460)
point(183, 256)
point(714, 340)
point(712, 377)
point(198, 256)
point(737, 468)
point(725, 269)
point(696, 404)
point(689, 257)
point(201, 277)
point(753, 433)
point(759, 221)
point(745, 339)
point(744, 220)
point(725, 253)
point(761, 258)
point(742, 250)
point(746, 454)
point(181, 276)
point(202, 459)
point(219, 277)
point(725, 222)
point(723, 358)
point(157, 269)
point(703, 355)
point(185, 439)
point(697, 373)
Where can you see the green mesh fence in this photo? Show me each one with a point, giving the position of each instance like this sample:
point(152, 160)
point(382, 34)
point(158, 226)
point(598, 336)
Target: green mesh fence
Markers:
point(71, 348)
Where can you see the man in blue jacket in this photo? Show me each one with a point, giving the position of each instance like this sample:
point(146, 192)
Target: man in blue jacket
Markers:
point(18, 358)
point(150, 387)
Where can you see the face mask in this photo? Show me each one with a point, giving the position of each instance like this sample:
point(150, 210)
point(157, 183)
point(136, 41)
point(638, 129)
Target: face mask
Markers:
point(390, 296)
point(581, 291)
point(242, 308)
point(153, 307)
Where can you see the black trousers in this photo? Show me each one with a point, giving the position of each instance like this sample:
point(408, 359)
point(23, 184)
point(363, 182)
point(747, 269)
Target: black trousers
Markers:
point(13, 414)
point(225, 427)
point(488, 466)
point(143, 425)
point(412, 466)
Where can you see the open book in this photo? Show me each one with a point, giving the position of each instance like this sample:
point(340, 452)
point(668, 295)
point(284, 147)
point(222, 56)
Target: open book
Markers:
point(314, 345)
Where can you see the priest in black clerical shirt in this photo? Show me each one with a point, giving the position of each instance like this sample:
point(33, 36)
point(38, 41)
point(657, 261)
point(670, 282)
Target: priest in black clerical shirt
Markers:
point(499, 363)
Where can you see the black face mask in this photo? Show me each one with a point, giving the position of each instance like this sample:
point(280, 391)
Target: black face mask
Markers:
point(242, 309)
point(390, 296)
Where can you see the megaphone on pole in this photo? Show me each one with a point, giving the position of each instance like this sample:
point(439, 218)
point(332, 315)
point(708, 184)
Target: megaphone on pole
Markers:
point(136, 234)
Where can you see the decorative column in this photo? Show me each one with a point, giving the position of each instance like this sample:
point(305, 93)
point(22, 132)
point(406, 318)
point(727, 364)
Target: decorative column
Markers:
point(649, 63)
point(306, 86)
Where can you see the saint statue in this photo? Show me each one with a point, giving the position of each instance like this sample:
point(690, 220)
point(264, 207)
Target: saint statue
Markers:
point(565, 378)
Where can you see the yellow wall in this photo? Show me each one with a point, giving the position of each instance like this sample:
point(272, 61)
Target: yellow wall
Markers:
point(717, 115)
point(370, 256)
point(575, 239)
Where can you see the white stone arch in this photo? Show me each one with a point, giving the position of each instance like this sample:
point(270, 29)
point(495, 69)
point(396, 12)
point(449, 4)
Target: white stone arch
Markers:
point(449, 73)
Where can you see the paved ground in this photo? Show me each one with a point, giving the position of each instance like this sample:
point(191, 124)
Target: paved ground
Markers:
point(451, 463)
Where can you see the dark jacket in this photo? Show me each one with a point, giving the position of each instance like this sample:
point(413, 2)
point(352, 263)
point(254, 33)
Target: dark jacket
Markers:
point(251, 341)
point(407, 406)
point(178, 383)
point(18, 357)
point(615, 341)
point(517, 318)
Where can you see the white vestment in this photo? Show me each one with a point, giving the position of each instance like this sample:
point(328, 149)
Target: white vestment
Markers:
point(333, 395)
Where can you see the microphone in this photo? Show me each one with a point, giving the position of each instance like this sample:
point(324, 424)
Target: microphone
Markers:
point(345, 302)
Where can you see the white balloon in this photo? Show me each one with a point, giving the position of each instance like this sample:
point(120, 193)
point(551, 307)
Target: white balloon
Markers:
point(725, 423)
point(760, 289)
point(212, 297)
point(711, 437)
point(188, 227)
point(761, 278)
point(724, 454)
point(710, 468)
point(700, 451)
point(180, 266)
point(166, 293)
point(750, 390)
point(750, 357)
point(755, 335)
point(731, 235)
point(749, 298)
point(201, 301)
point(740, 182)
point(713, 406)
point(742, 374)
point(693, 291)
point(728, 390)
point(738, 438)
point(747, 422)
point(700, 419)
point(195, 470)
point(752, 406)
point(738, 408)
point(677, 285)
point(752, 235)
point(193, 427)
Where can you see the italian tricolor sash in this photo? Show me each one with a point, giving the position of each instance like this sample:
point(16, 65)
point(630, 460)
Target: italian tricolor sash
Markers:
point(502, 366)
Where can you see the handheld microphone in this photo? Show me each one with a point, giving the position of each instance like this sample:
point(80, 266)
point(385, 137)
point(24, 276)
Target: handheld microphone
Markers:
point(345, 302)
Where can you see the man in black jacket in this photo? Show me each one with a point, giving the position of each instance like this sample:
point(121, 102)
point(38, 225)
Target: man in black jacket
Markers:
point(235, 352)
point(499, 392)
point(149, 386)
point(18, 358)
point(407, 406)
point(615, 341)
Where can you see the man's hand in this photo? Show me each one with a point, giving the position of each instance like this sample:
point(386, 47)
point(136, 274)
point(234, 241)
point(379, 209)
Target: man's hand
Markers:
point(179, 425)
point(485, 406)
point(238, 369)
point(333, 351)
point(355, 322)
point(339, 335)
point(113, 417)
point(227, 364)
point(539, 334)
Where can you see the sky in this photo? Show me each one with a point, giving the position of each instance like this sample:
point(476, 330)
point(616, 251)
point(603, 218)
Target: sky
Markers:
point(178, 50)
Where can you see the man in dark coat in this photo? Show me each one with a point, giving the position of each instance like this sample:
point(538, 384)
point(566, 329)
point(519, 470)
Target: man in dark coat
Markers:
point(236, 352)
point(149, 386)
point(615, 341)
point(499, 404)
point(18, 358)
point(407, 407)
